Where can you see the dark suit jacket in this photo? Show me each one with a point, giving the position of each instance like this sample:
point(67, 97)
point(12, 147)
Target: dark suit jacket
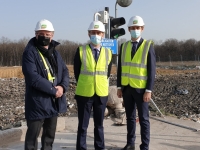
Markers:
point(77, 68)
point(151, 69)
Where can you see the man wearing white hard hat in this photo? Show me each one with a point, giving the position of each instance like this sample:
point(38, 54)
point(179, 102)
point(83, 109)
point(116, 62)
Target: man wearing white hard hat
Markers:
point(47, 80)
point(92, 66)
point(135, 80)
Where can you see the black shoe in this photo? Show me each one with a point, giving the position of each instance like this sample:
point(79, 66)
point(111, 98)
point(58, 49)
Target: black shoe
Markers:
point(129, 147)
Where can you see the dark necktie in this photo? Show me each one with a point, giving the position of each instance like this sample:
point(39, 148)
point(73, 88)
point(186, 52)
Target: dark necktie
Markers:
point(134, 48)
point(96, 54)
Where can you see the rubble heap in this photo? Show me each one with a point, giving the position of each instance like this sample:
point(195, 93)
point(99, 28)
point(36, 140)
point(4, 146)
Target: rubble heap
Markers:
point(177, 95)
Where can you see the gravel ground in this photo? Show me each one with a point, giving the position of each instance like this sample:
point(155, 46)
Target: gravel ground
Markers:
point(176, 95)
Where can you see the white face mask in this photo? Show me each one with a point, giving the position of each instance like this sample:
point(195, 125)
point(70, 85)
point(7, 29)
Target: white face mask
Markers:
point(135, 33)
point(95, 39)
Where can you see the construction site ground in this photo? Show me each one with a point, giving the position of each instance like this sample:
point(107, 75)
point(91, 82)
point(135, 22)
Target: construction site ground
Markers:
point(164, 136)
point(181, 134)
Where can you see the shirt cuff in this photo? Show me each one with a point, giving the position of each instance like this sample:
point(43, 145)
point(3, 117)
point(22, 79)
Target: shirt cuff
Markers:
point(148, 91)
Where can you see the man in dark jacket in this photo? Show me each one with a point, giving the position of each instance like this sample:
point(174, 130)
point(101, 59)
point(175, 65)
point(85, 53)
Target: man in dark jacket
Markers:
point(47, 79)
point(135, 80)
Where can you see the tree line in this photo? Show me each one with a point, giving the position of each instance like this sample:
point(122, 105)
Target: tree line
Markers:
point(169, 50)
point(174, 50)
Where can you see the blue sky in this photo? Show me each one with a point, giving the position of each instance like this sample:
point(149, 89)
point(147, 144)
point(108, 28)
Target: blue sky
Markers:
point(164, 19)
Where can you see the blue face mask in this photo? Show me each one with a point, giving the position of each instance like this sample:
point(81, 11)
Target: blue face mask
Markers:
point(135, 33)
point(95, 39)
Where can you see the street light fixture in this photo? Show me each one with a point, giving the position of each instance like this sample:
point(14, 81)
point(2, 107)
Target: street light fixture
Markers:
point(122, 3)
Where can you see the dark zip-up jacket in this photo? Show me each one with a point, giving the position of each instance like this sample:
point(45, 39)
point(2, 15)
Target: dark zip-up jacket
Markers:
point(40, 93)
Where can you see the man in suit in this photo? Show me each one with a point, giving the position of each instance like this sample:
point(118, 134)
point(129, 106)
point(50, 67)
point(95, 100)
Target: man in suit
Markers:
point(92, 65)
point(135, 80)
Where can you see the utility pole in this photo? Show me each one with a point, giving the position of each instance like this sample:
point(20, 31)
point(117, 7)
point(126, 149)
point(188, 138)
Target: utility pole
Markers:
point(116, 9)
point(121, 21)
point(107, 25)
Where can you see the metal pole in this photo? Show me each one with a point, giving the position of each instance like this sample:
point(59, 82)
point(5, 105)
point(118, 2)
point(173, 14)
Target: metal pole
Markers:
point(181, 59)
point(193, 129)
point(170, 60)
point(116, 9)
point(95, 16)
point(116, 39)
point(159, 58)
point(151, 100)
point(107, 25)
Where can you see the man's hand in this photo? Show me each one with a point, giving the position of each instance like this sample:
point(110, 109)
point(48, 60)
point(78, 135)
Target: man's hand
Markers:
point(147, 96)
point(119, 93)
point(59, 91)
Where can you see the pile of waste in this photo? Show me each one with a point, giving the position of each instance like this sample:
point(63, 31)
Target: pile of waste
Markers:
point(177, 95)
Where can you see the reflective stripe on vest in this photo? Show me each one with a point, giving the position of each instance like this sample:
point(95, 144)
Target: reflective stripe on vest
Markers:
point(93, 75)
point(50, 77)
point(134, 72)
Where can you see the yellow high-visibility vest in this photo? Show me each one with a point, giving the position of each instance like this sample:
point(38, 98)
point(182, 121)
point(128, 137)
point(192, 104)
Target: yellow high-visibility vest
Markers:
point(134, 70)
point(93, 76)
point(50, 77)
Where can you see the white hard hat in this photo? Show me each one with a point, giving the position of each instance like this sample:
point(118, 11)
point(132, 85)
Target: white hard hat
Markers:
point(44, 25)
point(135, 21)
point(97, 25)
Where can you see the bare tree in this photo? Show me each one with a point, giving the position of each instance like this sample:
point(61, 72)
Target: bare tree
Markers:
point(188, 50)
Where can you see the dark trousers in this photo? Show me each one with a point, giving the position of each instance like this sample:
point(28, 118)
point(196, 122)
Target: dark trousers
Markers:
point(133, 99)
point(85, 106)
point(33, 131)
